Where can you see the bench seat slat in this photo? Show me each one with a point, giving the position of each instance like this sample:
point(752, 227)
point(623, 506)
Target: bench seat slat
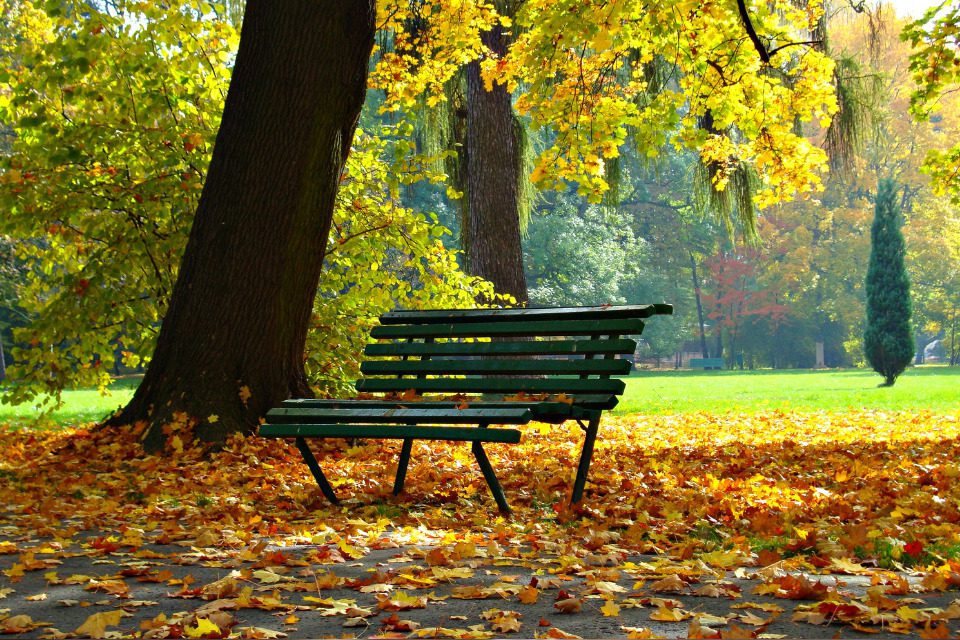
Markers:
point(506, 315)
point(531, 328)
point(418, 432)
point(496, 367)
point(582, 406)
point(505, 386)
point(519, 348)
point(394, 414)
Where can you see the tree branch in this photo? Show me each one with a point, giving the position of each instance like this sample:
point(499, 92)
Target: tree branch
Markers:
point(754, 38)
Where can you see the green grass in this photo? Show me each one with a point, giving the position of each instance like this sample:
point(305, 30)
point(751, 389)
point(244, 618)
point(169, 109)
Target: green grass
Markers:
point(932, 388)
point(80, 406)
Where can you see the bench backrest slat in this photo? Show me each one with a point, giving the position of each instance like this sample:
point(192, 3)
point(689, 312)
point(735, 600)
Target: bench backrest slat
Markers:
point(505, 386)
point(524, 367)
point(506, 315)
point(531, 328)
point(519, 348)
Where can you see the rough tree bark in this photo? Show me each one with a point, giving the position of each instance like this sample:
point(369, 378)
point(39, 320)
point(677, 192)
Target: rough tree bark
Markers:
point(492, 226)
point(241, 306)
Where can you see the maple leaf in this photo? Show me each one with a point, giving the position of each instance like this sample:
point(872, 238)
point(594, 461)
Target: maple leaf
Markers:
point(568, 605)
point(400, 601)
point(96, 625)
point(394, 623)
point(355, 622)
point(554, 632)
point(667, 614)
point(696, 631)
point(528, 595)
point(505, 624)
point(754, 620)
point(938, 632)
point(670, 584)
point(638, 633)
point(737, 633)
point(204, 629)
point(16, 572)
point(259, 633)
point(245, 394)
point(610, 609)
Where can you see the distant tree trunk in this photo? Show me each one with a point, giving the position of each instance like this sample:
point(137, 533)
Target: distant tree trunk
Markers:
point(696, 293)
point(954, 347)
point(240, 309)
point(491, 230)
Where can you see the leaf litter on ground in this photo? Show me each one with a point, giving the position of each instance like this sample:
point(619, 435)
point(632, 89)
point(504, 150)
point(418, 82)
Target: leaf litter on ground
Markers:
point(678, 509)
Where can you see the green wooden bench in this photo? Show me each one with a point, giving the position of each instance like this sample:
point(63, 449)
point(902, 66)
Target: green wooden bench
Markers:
point(706, 363)
point(453, 374)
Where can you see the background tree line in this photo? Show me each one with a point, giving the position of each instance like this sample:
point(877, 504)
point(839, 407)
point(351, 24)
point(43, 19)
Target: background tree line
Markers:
point(114, 124)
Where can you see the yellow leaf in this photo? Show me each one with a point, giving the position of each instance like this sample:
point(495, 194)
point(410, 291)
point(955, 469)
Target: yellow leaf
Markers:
point(245, 394)
point(204, 627)
point(212, 418)
point(664, 614)
point(96, 625)
point(610, 609)
point(267, 577)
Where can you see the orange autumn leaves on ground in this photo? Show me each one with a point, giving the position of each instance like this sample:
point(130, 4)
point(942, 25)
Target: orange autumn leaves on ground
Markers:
point(856, 493)
point(878, 486)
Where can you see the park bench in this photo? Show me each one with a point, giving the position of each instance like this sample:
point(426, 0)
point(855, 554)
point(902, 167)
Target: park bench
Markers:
point(706, 363)
point(454, 374)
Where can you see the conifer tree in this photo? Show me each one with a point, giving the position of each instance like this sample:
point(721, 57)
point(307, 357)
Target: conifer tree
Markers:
point(888, 340)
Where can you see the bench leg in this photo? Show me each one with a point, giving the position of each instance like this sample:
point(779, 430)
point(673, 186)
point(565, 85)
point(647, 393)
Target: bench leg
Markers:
point(585, 455)
point(490, 477)
point(402, 465)
point(316, 471)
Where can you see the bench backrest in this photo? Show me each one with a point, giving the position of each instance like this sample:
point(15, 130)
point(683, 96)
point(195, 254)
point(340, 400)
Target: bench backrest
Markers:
point(569, 353)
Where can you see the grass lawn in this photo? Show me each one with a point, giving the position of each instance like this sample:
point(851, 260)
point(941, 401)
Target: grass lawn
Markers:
point(80, 406)
point(931, 388)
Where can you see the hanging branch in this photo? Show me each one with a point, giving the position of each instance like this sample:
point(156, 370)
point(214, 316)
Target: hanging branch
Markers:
point(754, 38)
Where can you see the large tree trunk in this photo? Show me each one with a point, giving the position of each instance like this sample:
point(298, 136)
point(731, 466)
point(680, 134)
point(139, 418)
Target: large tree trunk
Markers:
point(491, 234)
point(241, 306)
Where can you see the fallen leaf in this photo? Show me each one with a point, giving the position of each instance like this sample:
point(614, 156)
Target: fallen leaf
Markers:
point(568, 605)
point(610, 609)
point(96, 625)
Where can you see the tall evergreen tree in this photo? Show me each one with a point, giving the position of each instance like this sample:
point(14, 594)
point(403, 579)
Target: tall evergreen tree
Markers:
point(888, 340)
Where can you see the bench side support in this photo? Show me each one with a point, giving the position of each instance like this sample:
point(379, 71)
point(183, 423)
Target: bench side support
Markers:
point(316, 471)
point(585, 455)
point(402, 466)
point(490, 476)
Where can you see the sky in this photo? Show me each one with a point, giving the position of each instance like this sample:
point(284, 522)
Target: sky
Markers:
point(912, 8)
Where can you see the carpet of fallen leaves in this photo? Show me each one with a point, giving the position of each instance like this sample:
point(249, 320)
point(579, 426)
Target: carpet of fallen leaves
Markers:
point(776, 496)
